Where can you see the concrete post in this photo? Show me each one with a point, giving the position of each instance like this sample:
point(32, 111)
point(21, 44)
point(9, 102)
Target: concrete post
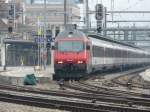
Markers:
point(52, 59)
point(45, 23)
point(126, 35)
point(65, 13)
point(53, 31)
point(86, 13)
point(105, 21)
point(2, 52)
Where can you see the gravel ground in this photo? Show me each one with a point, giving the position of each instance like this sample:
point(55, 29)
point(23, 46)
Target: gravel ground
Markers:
point(48, 86)
point(9, 107)
point(53, 85)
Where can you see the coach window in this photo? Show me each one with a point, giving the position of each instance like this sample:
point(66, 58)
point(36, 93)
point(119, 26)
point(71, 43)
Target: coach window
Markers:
point(101, 51)
point(116, 53)
point(98, 51)
point(119, 53)
point(131, 54)
point(106, 52)
point(113, 52)
point(110, 52)
point(123, 54)
point(128, 54)
point(134, 55)
point(138, 55)
point(95, 53)
point(143, 55)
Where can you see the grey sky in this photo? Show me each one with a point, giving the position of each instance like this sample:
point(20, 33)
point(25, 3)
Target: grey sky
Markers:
point(125, 5)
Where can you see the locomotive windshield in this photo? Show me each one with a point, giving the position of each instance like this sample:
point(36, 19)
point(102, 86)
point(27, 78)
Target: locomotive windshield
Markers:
point(74, 46)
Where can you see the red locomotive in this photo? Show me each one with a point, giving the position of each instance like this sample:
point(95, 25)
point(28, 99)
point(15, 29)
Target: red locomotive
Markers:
point(77, 53)
point(72, 53)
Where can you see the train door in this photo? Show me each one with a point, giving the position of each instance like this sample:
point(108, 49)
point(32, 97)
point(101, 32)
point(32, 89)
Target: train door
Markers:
point(104, 59)
point(89, 51)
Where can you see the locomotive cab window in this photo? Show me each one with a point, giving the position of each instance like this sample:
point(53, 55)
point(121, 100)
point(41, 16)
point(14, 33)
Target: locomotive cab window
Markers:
point(74, 46)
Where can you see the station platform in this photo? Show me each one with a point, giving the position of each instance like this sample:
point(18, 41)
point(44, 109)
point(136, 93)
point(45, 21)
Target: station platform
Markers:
point(16, 75)
point(146, 75)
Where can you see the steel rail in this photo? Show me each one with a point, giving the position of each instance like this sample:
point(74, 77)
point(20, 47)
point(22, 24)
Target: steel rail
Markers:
point(65, 104)
point(92, 96)
point(96, 90)
point(87, 96)
point(49, 103)
point(130, 83)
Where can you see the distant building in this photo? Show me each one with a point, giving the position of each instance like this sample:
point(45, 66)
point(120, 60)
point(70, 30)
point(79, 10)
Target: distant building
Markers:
point(34, 13)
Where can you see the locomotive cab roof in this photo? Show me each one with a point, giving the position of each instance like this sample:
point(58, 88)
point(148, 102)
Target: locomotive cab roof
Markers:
point(71, 33)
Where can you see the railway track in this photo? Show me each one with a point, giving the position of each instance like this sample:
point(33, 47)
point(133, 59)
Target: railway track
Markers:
point(87, 96)
point(92, 99)
point(111, 95)
point(50, 103)
point(97, 99)
point(70, 105)
point(132, 80)
point(113, 80)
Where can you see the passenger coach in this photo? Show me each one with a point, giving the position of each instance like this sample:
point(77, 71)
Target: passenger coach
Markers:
point(77, 53)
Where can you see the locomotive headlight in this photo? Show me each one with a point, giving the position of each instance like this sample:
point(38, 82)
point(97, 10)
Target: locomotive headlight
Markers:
point(60, 62)
point(80, 62)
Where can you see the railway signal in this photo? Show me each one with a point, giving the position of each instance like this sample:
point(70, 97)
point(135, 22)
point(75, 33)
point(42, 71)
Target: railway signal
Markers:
point(99, 11)
point(10, 29)
point(11, 11)
point(99, 29)
point(99, 8)
point(48, 45)
point(48, 38)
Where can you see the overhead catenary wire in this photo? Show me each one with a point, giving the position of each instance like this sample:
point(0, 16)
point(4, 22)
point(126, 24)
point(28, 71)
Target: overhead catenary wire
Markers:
point(135, 4)
point(112, 8)
point(131, 6)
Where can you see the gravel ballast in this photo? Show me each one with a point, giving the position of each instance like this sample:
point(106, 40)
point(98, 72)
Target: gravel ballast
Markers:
point(9, 107)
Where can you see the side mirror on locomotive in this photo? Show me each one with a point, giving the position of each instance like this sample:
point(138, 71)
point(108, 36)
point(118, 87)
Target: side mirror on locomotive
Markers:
point(87, 47)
